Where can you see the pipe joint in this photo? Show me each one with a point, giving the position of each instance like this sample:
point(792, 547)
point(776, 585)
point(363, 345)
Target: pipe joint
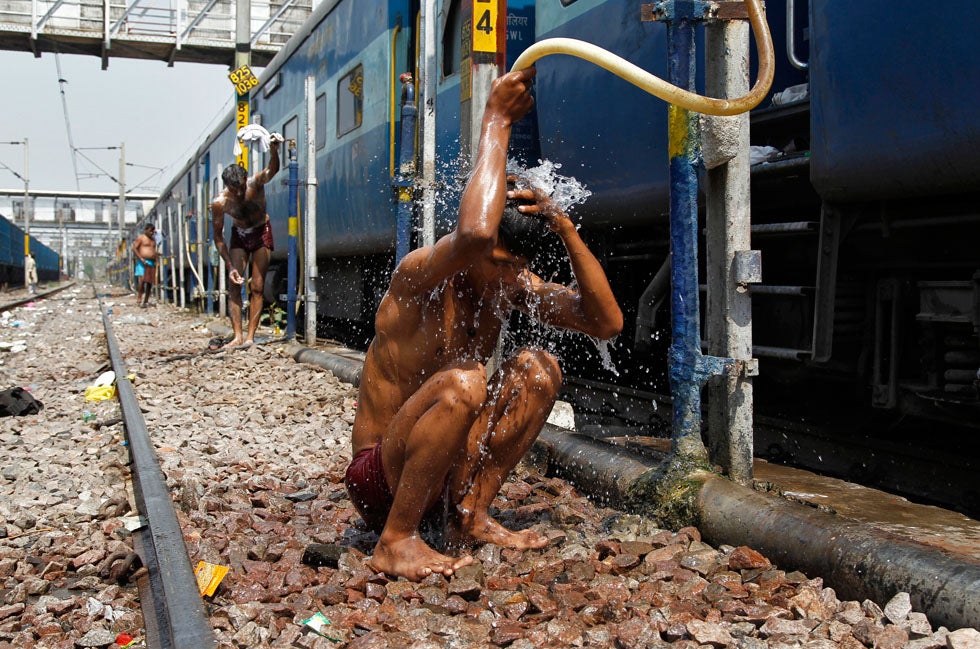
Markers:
point(693, 366)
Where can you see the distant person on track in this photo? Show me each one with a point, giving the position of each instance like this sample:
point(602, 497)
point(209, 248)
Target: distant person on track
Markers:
point(243, 199)
point(433, 440)
point(145, 250)
point(30, 273)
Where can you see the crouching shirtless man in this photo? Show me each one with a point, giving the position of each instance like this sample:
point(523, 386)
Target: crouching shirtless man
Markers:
point(431, 434)
point(243, 199)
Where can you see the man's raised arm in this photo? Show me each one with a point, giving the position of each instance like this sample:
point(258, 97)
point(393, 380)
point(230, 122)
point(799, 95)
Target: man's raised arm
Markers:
point(272, 168)
point(482, 203)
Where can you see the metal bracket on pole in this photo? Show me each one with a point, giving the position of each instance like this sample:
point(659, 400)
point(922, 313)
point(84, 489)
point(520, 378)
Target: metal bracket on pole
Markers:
point(693, 10)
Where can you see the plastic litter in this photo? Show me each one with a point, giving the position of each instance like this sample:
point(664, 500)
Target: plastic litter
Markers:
point(103, 389)
point(318, 622)
point(125, 640)
point(209, 575)
point(88, 416)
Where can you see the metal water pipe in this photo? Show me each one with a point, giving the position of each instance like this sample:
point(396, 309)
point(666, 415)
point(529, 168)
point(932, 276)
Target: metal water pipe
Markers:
point(406, 168)
point(293, 250)
point(688, 368)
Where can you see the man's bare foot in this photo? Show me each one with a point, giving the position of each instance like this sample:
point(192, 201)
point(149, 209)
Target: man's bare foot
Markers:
point(483, 528)
point(234, 342)
point(413, 559)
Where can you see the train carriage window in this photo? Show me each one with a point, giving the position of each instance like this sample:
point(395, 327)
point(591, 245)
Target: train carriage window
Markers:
point(320, 121)
point(452, 30)
point(350, 101)
point(290, 131)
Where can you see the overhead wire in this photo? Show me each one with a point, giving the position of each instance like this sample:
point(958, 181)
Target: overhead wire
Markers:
point(62, 82)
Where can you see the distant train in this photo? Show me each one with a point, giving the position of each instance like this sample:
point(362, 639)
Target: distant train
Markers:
point(12, 257)
point(865, 207)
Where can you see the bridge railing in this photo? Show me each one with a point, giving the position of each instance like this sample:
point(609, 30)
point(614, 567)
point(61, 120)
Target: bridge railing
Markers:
point(177, 24)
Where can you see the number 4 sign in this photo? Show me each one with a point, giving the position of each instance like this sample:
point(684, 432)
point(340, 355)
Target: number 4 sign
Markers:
point(484, 25)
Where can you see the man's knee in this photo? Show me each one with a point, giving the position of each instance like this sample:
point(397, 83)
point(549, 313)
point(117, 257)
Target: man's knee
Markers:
point(466, 386)
point(540, 369)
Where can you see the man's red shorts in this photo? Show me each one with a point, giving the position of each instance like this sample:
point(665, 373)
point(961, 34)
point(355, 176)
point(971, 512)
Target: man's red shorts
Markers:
point(368, 490)
point(252, 239)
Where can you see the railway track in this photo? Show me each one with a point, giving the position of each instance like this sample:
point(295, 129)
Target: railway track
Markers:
point(172, 607)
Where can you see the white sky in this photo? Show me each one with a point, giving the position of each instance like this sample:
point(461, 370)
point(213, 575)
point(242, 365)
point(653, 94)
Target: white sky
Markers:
point(160, 113)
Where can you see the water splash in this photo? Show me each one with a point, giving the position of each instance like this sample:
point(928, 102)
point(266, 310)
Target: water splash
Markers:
point(602, 346)
point(565, 191)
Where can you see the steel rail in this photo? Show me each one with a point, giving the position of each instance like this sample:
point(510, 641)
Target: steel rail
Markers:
point(175, 612)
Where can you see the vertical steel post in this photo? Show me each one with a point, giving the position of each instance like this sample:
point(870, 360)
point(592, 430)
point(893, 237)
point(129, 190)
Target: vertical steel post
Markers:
point(27, 200)
point(179, 218)
point(688, 368)
point(173, 259)
point(406, 169)
point(483, 47)
point(309, 223)
point(122, 191)
point(198, 236)
point(207, 278)
point(729, 260)
point(222, 271)
point(293, 251)
point(430, 74)
point(243, 58)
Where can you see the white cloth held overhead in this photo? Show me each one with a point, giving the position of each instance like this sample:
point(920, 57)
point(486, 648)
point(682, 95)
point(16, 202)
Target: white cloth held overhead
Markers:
point(255, 132)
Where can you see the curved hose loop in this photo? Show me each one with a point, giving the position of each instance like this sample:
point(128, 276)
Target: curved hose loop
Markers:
point(657, 86)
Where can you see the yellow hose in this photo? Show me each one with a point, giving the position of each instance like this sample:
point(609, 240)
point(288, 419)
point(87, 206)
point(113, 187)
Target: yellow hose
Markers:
point(657, 86)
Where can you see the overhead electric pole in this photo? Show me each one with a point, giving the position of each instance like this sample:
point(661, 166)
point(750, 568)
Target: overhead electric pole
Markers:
point(27, 197)
point(122, 190)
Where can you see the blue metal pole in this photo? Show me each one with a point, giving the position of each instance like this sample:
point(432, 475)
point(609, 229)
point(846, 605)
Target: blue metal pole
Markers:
point(689, 370)
point(292, 260)
point(406, 168)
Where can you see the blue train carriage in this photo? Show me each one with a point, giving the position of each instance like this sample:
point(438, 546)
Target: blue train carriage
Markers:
point(864, 199)
point(12, 256)
point(880, 164)
point(355, 51)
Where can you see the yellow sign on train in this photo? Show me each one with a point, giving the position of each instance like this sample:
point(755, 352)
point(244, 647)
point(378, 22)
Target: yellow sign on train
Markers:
point(243, 79)
point(485, 26)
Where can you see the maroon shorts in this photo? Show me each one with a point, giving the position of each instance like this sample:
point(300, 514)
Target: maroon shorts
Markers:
point(368, 490)
point(252, 239)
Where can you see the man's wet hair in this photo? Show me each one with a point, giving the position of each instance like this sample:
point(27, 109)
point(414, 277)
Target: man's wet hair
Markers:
point(234, 175)
point(522, 234)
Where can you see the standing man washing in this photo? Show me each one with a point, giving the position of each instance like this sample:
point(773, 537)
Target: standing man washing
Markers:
point(145, 250)
point(30, 271)
point(433, 439)
point(243, 199)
